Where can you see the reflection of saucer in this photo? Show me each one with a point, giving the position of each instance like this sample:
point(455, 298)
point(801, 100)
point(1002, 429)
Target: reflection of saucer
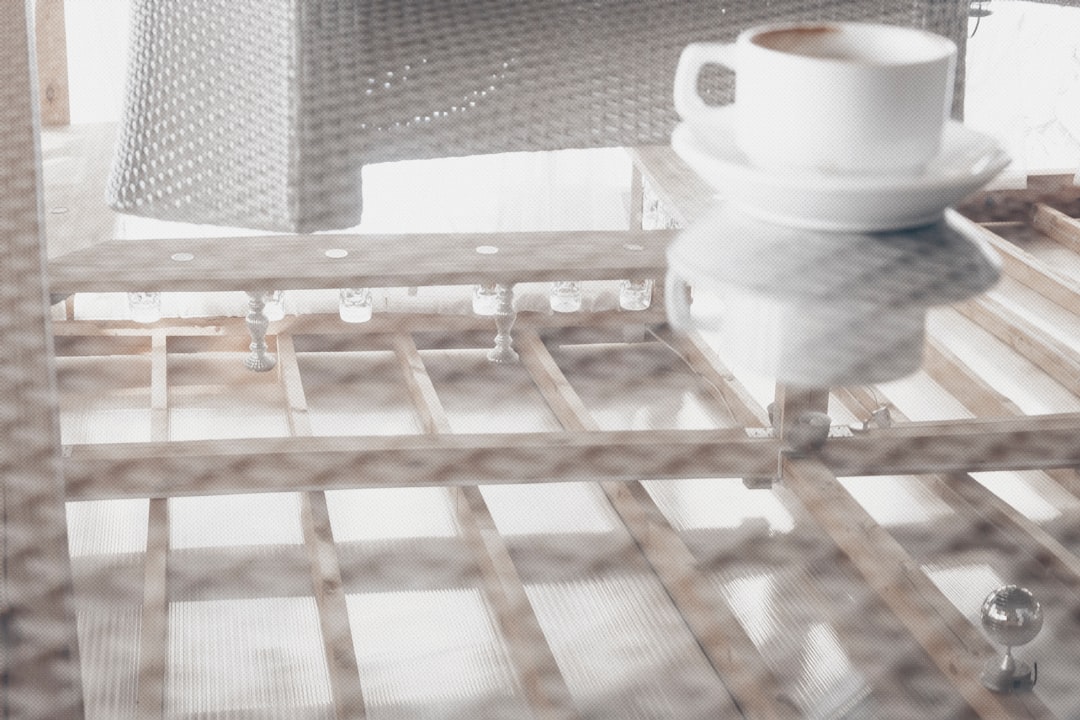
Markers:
point(823, 201)
point(820, 308)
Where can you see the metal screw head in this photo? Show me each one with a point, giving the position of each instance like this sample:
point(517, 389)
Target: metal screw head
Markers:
point(1011, 616)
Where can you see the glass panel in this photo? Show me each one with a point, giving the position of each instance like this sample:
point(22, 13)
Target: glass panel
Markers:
point(245, 655)
point(431, 654)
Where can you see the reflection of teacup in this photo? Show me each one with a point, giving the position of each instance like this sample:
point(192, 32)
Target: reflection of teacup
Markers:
point(832, 97)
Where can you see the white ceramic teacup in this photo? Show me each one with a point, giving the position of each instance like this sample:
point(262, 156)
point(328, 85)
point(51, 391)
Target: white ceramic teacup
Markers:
point(829, 97)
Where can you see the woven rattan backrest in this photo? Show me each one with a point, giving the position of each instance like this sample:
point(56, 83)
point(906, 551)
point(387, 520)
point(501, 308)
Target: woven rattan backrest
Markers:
point(260, 113)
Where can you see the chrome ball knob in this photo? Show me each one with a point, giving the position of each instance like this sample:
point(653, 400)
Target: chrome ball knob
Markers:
point(1011, 616)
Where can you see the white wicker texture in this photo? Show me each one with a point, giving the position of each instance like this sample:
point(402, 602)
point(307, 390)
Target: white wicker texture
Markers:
point(260, 113)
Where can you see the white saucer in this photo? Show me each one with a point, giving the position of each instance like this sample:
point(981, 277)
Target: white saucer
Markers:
point(839, 202)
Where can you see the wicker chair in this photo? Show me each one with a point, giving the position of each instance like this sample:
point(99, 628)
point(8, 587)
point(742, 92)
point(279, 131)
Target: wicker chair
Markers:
point(260, 114)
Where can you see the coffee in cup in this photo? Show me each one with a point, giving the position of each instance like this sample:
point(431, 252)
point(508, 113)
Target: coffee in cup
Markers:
point(827, 97)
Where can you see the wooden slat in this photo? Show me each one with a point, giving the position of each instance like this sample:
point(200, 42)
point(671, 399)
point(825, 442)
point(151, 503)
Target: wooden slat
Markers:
point(159, 388)
point(40, 659)
point(1056, 358)
point(544, 686)
point(345, 688)
point(953, 643)
point(973, 392)
point(1004, 205)
point(949, 639)
point(717, 378)
point(300, 261)
point(680, 190)
point(966, 495)
point(291, 382)
point(425, 399)
point(154, 633)
point(337, 636)
point(275, 464)
point(335, 330)
point(1057, 226)
point(1059, 561)
point(1025, 268)
point(322, 463)
point(751, 683)
point(51, 46)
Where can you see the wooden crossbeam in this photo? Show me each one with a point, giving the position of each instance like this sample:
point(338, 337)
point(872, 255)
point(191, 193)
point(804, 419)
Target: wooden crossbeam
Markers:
point(208, 467)
point(329, 329)
point(117, 470)
point(40, 659)
point(302, 262)
point(738, 663)
point(340, 652)
point(542, 681)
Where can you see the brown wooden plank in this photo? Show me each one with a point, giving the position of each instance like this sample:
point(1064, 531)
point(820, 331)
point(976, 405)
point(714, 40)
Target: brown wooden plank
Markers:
point(1058, 560)
point(973, 392)
point(681, 191)
point(1055, 357)
point(288, 369)
point(751, 683)
point(159, 388)
point(1057, 226)
point(51, 46)
point(953, 643)
point(542, 681)
point(406, 260)
point(338, 333)
point(40, 662)
point(201, 467)
point(968, 497)
point(348, 697)
point(1057, 190)
point(154, 633)
point(425, 399)
point(1025, 267)
point(345, 688)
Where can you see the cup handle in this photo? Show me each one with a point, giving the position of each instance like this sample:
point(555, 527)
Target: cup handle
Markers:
point(678, 309)
point(688, 102)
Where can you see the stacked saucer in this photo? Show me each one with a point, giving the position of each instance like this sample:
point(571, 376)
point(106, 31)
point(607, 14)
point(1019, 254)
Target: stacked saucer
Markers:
point(823, 279)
